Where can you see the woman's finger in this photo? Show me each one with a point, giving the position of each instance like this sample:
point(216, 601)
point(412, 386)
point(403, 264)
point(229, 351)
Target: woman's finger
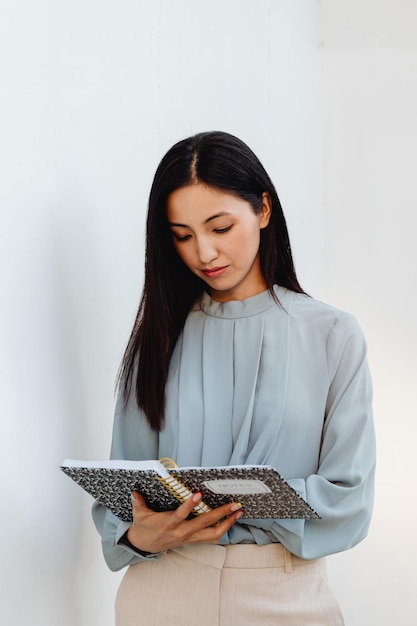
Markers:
point(204, 520)
point(212, 534)
point(139, 505)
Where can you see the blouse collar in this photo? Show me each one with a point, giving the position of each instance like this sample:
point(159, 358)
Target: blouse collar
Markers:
point(239, 308)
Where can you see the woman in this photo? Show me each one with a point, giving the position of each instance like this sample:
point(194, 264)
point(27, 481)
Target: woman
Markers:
point(230, 362)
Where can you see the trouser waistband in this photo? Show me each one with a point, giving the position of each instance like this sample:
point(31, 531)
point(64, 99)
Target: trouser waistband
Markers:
point(248, 556)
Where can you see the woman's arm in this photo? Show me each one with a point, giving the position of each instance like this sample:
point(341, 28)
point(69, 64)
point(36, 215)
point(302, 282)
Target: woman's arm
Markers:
point(342, 489)
point(151, 532)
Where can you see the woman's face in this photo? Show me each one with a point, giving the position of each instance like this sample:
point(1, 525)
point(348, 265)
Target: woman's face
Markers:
point(217, 235)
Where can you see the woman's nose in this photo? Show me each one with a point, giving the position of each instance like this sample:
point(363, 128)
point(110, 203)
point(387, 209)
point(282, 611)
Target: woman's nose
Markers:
point(206, 251)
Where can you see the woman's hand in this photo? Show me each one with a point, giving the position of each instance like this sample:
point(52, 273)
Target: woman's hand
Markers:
point(154, 532)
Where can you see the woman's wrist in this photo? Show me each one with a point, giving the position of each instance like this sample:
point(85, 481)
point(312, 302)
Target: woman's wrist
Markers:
point(125, 541)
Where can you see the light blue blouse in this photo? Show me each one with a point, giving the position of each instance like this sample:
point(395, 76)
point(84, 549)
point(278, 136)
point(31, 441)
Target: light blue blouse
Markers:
point(258, 382)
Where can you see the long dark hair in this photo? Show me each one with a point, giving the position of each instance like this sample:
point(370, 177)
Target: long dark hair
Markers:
point(219, 160)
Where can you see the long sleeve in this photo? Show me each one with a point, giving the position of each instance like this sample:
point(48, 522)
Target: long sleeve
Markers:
point(132, 439)
point(342, 489)
point(111, 530)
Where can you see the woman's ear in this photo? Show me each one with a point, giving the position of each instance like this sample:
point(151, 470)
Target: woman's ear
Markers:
point(266, 210)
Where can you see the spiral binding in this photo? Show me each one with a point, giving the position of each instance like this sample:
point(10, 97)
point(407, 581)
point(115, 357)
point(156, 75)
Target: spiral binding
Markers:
point(168, 463)
point(182, 493)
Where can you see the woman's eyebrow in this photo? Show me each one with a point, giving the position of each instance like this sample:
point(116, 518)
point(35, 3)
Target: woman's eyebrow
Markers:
point(209, 219)
point(213, 217)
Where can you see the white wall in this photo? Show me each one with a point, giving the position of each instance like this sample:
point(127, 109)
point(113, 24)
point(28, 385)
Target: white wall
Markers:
point(91, 94)
point(369, 78)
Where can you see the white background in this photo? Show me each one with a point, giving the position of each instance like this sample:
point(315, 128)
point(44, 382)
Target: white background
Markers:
point(92, 93)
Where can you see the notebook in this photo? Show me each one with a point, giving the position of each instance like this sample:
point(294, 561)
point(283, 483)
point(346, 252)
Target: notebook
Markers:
point(262, 491)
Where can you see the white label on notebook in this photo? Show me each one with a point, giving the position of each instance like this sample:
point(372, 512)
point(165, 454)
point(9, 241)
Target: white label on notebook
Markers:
point(236, 486)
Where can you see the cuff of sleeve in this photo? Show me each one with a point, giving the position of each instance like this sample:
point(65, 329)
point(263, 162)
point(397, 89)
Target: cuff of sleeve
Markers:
point(122, 529)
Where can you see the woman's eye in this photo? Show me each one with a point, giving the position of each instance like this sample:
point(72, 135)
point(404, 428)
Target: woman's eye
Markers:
point(222, 230)
point(181, 237)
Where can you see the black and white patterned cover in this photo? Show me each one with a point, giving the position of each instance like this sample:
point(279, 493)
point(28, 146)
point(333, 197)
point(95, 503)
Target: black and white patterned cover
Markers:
point(113, 487)
point(282, 502)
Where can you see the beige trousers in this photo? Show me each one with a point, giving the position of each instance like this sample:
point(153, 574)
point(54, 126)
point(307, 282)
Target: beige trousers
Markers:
point(234, 585)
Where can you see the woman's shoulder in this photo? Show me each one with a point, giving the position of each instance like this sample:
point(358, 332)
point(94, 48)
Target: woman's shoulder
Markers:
point(305, 309)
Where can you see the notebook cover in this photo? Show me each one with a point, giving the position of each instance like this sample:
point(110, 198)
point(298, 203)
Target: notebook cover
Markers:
point(113, 487)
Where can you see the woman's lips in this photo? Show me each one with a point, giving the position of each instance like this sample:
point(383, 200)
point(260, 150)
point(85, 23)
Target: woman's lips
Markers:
point(215, 271)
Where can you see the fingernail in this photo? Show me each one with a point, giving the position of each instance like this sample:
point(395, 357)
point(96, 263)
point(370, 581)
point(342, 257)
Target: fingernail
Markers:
point(240, 514)
point(197, 496)
point(235, 507)
point(133, 497)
